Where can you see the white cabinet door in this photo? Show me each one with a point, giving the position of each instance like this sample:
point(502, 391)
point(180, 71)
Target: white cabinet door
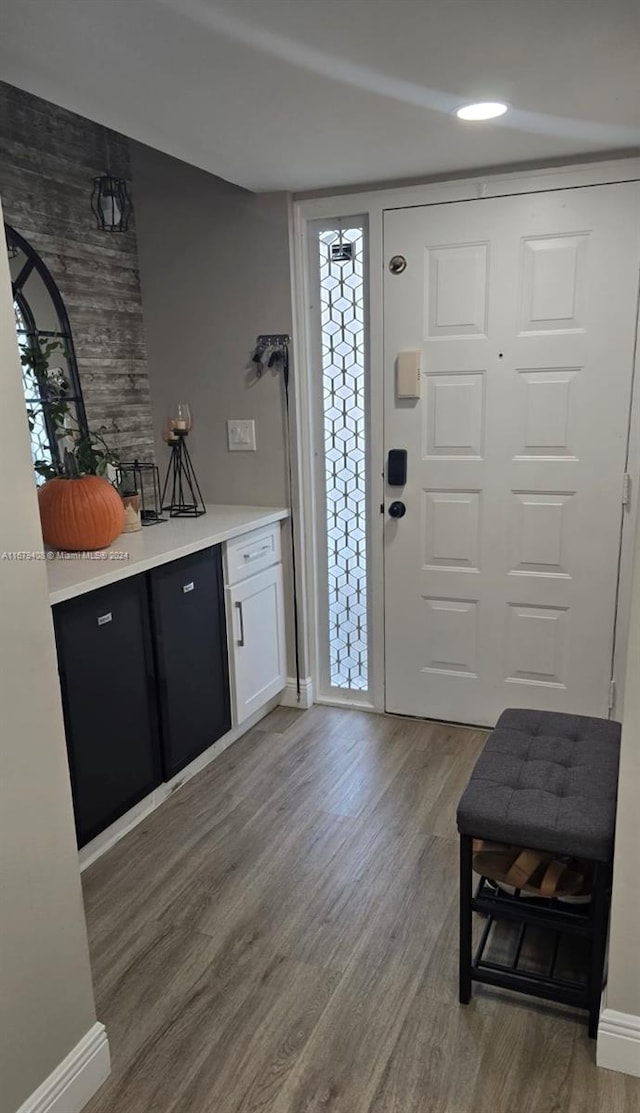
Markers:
point(255, 611)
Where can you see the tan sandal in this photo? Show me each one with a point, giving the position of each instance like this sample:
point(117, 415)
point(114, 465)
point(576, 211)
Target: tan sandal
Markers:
point(530, 870)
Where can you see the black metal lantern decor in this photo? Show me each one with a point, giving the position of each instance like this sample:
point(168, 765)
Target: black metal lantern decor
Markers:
point(110, 203)
point(143, 480)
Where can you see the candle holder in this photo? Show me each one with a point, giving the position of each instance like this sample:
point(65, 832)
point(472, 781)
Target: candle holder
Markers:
point(181, 494)
point(143, 481)
point(168, 434)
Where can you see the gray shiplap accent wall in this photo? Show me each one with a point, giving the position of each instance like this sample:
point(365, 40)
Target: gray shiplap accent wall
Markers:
point(48, 157)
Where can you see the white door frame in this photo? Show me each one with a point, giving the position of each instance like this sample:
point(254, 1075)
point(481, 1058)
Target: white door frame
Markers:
point(372, 205)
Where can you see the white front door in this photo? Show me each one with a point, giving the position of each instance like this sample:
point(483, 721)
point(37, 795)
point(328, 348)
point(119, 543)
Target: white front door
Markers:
point(500, 580)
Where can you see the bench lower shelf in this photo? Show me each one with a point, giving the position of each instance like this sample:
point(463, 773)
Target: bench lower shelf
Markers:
point(543, 947)
point(540, 956)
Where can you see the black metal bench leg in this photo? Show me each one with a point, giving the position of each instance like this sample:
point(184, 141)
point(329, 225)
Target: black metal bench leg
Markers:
point(466, 879)
point(600, 920)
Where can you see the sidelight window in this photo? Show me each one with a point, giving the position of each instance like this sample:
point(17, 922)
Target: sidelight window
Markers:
point(341, 323)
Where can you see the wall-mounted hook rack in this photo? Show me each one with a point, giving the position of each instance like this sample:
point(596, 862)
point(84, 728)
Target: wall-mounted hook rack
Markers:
point(273, 340)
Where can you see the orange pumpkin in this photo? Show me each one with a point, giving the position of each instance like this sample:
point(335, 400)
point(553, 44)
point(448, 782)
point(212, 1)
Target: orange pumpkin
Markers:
point(80, 514)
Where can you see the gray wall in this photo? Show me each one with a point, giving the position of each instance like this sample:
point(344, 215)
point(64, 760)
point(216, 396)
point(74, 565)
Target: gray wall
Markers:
point(48, 157)
point(46, 997)
point(623, 987)
point(214, 265)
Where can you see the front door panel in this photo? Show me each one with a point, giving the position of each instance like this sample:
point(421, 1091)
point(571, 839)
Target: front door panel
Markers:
point(501, 576)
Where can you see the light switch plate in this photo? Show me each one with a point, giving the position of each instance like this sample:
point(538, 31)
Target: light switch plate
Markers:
point(241, 435)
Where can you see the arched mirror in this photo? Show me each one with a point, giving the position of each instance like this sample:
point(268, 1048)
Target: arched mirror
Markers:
point(52, 393)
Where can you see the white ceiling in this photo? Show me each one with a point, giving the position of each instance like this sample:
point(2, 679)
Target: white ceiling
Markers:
point(306, 94)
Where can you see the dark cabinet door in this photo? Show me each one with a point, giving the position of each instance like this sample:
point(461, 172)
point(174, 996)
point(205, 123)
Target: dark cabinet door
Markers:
point(106, 672)
point(188, 619)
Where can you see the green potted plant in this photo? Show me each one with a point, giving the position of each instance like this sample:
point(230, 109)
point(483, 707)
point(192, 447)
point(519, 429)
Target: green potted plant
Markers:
point(79, 508)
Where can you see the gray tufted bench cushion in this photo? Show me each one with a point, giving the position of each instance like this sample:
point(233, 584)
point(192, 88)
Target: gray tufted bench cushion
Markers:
point(548, 781)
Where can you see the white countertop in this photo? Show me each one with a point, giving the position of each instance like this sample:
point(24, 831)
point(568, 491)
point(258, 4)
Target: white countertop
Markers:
point(71, 574)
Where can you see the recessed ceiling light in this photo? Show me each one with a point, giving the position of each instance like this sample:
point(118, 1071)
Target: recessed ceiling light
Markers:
point(484, 110)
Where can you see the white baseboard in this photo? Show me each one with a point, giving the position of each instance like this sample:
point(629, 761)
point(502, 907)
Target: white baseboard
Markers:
point(76, 1079)
point(290, 693)
point(618, 1045)
point(116, 831)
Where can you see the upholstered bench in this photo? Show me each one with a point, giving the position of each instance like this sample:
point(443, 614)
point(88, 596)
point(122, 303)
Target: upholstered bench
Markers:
point(545, 781)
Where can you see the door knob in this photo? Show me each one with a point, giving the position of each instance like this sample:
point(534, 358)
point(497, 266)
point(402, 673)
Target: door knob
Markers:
point(397, 509)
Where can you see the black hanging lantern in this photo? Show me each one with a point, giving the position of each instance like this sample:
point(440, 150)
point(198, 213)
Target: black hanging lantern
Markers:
point(110, 203)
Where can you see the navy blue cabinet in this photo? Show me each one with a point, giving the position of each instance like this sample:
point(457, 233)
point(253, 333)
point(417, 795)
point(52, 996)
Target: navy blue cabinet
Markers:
point(190, 644)
point(106, 667)
point(145, 684)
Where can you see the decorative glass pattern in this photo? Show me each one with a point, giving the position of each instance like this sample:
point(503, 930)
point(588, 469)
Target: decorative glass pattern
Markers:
point(343, 383)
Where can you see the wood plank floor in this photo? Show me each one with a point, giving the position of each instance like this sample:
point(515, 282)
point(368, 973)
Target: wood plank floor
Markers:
point(280, 937)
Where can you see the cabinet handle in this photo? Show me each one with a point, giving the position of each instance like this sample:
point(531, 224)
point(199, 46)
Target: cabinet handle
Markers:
point(104, 618)
point(187, 587)
point(241, 619)
point(257, 553)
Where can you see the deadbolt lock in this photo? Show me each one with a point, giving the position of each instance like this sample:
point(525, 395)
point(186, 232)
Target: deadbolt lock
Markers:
point(397, 264)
